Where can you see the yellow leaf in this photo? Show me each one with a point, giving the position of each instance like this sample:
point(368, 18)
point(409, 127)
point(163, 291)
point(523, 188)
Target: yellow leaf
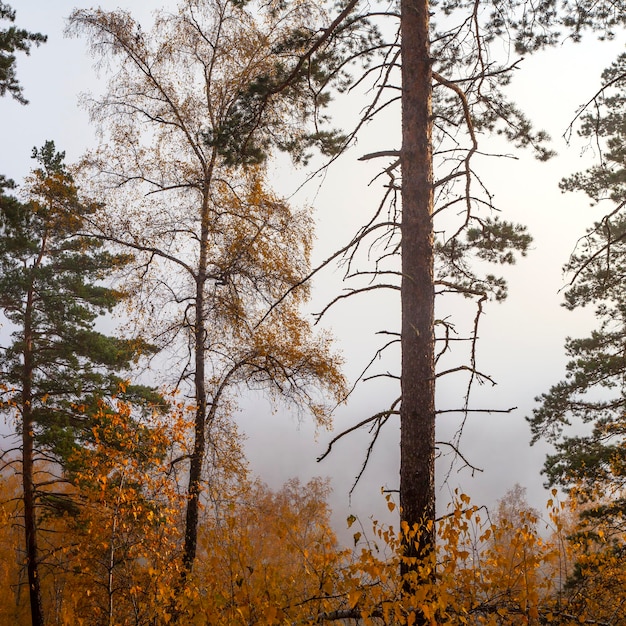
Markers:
point(354, 597)
point(271, 613)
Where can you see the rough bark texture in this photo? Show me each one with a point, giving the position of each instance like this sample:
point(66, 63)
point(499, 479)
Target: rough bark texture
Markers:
point(417, 416)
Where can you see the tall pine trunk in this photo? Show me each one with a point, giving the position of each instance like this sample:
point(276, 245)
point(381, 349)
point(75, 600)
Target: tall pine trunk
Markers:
point(417, 415)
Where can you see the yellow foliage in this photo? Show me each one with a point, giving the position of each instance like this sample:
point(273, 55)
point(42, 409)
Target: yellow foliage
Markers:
point(266, 556)
point(269, 558)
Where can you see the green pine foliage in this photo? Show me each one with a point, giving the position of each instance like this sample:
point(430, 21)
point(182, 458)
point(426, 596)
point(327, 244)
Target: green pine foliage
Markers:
point(606, 126)
point(584, 415)
point(594, 390)
point(13, 40)
point(53, 286)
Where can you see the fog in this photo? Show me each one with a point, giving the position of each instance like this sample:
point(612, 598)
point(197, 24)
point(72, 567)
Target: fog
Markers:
point(521, 340)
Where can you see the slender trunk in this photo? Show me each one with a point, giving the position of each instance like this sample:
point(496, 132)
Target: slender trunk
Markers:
point(110, 590)
point(28, 425)
point(196, 462)
point(194, 487)
point(111, 565)
point(417, 415)
point(197, 457)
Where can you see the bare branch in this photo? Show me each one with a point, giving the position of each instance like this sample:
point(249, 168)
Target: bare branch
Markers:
point(369, 420)
point(353, 292)
point(466, 410)
point(458, 453)
point(467, 368)
point(381, 153)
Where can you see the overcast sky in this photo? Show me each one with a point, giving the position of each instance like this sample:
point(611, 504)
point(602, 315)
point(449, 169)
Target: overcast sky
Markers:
point(521, 340)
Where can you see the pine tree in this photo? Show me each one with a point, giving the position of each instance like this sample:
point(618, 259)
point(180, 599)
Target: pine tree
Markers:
point(14, 39)
point(439, 63)
point(592, 398)
point(58, 369)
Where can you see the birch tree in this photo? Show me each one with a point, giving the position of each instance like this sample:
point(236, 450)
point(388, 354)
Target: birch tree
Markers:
point(181, 167)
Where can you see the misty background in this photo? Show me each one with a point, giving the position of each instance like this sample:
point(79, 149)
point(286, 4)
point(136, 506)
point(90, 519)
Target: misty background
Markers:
point(521, 340)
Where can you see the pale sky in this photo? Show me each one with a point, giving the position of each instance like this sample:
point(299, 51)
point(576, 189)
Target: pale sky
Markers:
point(521, 340)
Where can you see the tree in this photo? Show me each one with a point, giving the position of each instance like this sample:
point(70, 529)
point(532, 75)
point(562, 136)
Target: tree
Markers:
point(592, 397)
point(120, 558)
point(449, 83)
point(267, 556)
point(449, 95)
point(14, 39)
point(58, 367)
point(183, 171)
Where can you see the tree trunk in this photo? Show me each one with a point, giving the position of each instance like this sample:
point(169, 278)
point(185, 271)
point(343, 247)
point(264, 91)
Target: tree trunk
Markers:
point(417, 414)
point(197, 459)
point(30, 521)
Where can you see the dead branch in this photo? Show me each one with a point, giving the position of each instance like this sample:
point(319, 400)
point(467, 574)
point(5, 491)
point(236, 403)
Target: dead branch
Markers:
point(466, 410)
point(458, 453)
point(466, 368)
point(353, 292)
point(372, 418)
point(381, 153)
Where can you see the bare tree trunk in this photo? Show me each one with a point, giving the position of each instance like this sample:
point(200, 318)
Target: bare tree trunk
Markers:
point(111, 565)
point(30, 522)
point(417, 415)
point(196, 462)
point(197, 457)
point(199, 449)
